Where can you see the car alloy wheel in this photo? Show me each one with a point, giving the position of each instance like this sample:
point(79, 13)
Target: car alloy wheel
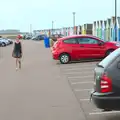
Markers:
point(64, 58)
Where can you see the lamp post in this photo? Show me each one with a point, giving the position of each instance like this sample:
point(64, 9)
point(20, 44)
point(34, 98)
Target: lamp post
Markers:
point(74, 21)
point(52, 26)
point(31, 29)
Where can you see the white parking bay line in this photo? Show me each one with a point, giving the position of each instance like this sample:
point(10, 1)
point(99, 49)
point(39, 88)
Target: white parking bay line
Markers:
point(74, 69)
point(89, 76)
point(84, 99)
point(78, 73)
point(78, 67)
point(87, 82)
point(80, 90)
point(100, 113)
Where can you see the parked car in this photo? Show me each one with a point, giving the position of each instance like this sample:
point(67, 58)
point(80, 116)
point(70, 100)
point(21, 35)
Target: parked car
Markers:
point(106, 92)
point(0, 43)
point(4, 42)
point(8, 40)
point(39, 37)
point(34, 37)
point(79, 47)
point(11, 42)
point(54, 37)
point(28, 37)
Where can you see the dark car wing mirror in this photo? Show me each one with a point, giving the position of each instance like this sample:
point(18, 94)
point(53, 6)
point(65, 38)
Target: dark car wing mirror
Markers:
point(100, 43)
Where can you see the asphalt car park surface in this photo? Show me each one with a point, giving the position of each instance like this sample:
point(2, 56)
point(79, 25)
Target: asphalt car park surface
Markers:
point(38, 91)
point(80, 77)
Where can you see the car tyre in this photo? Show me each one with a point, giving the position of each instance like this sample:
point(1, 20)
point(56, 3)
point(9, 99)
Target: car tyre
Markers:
point(3, 44)
point(64, 58)
point(109, 52)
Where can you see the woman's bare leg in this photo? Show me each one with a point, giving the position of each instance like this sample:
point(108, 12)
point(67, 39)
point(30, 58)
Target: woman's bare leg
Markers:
point(19, 60)
point(16, 63)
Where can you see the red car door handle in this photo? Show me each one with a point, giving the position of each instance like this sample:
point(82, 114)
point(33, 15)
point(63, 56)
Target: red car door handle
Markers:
point(81, 46)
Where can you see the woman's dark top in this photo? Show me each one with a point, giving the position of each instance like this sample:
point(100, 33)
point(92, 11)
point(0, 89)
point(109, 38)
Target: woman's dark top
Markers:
point(17, 47)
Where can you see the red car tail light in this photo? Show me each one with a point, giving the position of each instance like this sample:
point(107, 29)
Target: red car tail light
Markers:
point(56, 45)
point(105, 84)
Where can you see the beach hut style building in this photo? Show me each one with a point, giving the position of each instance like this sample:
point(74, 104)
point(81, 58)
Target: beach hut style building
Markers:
point(89, 28)
point(100, 29)
point(118, 21)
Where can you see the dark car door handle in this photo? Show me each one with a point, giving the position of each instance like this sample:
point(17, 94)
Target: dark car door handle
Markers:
point(81, 46)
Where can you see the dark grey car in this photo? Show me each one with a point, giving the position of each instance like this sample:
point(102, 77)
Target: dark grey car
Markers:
point(106, 92)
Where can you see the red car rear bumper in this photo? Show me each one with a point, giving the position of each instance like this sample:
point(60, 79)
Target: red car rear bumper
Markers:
point(55, 55)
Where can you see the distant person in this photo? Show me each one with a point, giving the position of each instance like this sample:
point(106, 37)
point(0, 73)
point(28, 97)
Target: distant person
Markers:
point(17, 52)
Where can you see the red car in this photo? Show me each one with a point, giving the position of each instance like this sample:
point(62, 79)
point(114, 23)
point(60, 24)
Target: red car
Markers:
point(81, 47)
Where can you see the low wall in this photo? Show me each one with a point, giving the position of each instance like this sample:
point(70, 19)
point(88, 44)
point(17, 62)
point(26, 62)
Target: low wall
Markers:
point(10, 36)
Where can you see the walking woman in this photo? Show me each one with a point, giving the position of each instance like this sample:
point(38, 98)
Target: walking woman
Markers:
point(17, 53)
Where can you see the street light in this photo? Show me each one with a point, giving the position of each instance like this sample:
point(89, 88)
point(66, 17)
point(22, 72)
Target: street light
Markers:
point(115, 20)
point(31, 29)
point(52, 26)
point(74, 21)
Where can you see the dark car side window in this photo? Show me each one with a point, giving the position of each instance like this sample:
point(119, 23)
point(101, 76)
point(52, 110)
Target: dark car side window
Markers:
point(107, 61)
point(87, 41)
point(71, 41)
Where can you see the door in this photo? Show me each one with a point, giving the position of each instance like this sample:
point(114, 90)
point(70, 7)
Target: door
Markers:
point(90, 48)
point(72, 47)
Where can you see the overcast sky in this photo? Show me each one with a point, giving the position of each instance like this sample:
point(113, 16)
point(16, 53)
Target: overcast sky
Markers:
point(19, 14)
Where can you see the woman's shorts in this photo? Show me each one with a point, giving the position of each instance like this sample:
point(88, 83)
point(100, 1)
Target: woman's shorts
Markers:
point(17, 55)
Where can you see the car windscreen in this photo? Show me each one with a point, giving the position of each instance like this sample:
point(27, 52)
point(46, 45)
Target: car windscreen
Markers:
point(106, 61)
